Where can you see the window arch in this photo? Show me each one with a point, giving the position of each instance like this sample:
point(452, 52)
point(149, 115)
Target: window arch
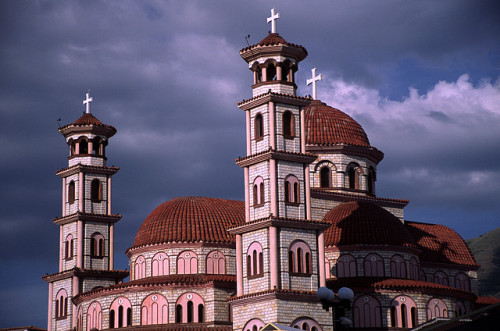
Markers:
point(96, 190)
point(325, 177)
point(371, 181)
point(460, 309)
point(462, 282)
point(257, 73)
point(398, 267)
point(140, 267)
point(346, 266)
point(270, 72)
point(374, 266)
point(306, 323)
point(258, 191)
point(441, 278)
point(61, 303)
point(287, 72)
point(288, 124)
point(121, 311)
point(68, 247)
point(216, 263)
point(160, 265)
point(154, 310)
point(404, 312)
point(187, 263)
point(71, 192)
point(190, 309)
point(299, 258)
point(97, 245)
point(94, 316)
point(353, 176)
point(414, 269)
point(84, 146)
point(436, 308)
point(292, 189)
point(254, 325)
point(258, 126)
point(366, 312)
point(255, 260)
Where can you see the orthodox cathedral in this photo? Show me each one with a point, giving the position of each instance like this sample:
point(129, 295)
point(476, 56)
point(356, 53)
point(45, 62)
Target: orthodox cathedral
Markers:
point(310, 218)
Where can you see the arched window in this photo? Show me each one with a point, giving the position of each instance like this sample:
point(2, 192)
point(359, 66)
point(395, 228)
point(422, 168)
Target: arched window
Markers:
point(292, 189)
point(68, 247)
point(121, 309)
point(94, 316)
point(84, 146)
point(258, 126)
point(422, 276)
point(460, 309)
point(436, 308)
point(288, 124)
point(254, 325)
point(97, 245)
point(299, 255)
point(96, 190)
point(404, 312)
point(270, 72)
point(414, 269)
point(306, 323)
point(325, 176)
point(71, 192)
point(353, 173)
point(190, 308)
point(97, 146)
point(286, 72)
point(216, 263)
point(72, 147)
point(255, 259)
point(462, 282)
point(61, 307)
point(371, 181)
point(79, 319)
point(398, 267)
point(160, 265)
point(346, 266)
point(441, 278)
point(187, 263)
point(328, 273)
point(257, 78)
point(366, 312)
point(258, 191)
point(374, 266)
point(154, 310)
point(140, 267)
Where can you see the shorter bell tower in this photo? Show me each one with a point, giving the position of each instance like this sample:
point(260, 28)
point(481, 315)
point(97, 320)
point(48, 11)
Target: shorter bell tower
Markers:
point(86, 227)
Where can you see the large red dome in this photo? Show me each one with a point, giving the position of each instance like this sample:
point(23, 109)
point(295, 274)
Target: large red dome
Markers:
point(191, 219)
point(329, 126)
point(364, 223)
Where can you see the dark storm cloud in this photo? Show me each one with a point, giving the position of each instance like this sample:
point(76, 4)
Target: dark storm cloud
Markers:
point(167, 75)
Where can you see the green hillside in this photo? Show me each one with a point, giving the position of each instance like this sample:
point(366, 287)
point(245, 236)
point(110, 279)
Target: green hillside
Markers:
point(486, 250)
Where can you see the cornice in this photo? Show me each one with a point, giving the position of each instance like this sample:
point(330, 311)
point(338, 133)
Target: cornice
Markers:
point(269, 96)
point(111, 219)
point(305, 158)
point(280, 222)
point(370, 153)
point(86, 169)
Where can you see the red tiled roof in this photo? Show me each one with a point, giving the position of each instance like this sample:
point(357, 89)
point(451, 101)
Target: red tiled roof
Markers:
point(88, 119)
point(440, 244)
point(191, 219)
point(271, 40)
point(329, 126)
point(487, 300)
point(364, 223)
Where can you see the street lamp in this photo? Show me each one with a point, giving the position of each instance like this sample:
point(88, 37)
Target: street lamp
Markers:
point(339, 302)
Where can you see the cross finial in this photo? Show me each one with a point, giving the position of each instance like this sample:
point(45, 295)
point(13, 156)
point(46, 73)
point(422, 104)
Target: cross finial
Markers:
point(87, 102)
point(272, 19)
point(313, 81)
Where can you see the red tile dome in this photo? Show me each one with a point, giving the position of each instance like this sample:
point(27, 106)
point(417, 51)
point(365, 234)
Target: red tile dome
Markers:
point(364, 223)
point(191, 219)
point(329, 126)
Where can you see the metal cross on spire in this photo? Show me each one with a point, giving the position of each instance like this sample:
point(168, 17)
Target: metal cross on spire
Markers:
point(87, 102)
point(272, 19)
point(313, 81)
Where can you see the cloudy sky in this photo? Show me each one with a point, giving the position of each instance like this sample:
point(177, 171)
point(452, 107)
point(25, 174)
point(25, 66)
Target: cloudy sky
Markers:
point(422, 77)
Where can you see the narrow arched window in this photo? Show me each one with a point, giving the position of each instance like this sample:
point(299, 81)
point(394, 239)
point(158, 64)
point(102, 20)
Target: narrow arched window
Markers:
point(140, 267)
point(201, 313)
point(262, 193)
point(187, 263)
point(68, 247)
point(71, 192)
point(398, 267)
point(94, 316)
point(258, 191)
point(61, 304)
point(178, 314)
point(371, 181)
point(441, 278)
point(288, 124)
point(291, 189)
point(122, 312)
point(216, 263)
point(299, 255)
point(97, 245)
point(374, 266)
point(160, 265)
point(255, 260)
point(436, 308)
point(346, 266)
point(325, 176)
point(253, 325)
point(270, 72)
point(190, 308)
point(154, 310)
point(190, 311)
point(84, 146)
point(366, 312)
point(96, 190)
point(462, 282)
point(414, 269)
point(258, 126)
point(403, 312)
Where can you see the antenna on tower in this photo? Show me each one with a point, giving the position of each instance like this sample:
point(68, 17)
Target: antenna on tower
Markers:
point(59, 123)
point(247, 38)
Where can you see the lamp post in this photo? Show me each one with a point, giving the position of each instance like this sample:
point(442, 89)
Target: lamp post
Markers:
point(339, 302)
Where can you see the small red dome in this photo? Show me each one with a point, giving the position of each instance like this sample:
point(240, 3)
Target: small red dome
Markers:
point(191, 219)
point(364, 223)
point(329, 126)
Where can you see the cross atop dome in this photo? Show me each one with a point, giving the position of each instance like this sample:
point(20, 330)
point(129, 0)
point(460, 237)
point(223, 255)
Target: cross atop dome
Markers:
point(87, 102)
point(313, 81)
point(272, 19)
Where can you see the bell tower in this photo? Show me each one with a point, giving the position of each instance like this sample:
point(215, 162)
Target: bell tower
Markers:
point(86, 227)
point(280, 250)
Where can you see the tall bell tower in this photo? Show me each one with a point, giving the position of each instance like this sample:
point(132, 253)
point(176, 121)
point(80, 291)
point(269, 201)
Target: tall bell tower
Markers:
point(280, 250)
point(86, 227)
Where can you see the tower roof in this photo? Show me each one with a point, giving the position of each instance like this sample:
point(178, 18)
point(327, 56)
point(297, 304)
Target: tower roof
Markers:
point(88, 122)
point(271, 44)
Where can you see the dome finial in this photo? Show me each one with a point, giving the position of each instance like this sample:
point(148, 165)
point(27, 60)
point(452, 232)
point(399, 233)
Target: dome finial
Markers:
point(272, 19)
point(313, 81)
point(87, 102)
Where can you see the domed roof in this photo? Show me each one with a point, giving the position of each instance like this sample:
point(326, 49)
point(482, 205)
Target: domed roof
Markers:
point(329, 126)
point(191, 219)
point(364, 223)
